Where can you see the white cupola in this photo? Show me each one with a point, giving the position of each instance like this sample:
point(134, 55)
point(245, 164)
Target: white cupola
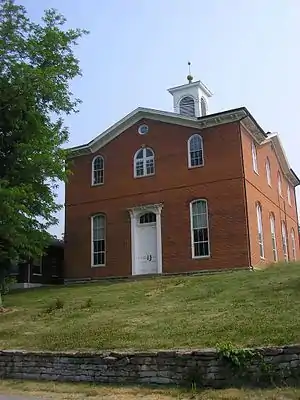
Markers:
point(191, 99)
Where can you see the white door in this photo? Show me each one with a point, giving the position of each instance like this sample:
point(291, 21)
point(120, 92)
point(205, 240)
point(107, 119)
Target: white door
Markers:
point(146, 249)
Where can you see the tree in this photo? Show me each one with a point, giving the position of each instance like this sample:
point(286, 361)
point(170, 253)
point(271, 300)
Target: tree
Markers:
point(37, 64)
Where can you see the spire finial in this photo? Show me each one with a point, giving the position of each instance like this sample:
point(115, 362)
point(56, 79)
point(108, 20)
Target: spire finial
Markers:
point(189, 77)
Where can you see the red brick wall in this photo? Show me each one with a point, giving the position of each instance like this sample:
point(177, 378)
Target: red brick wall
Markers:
point(258, 190)
point(219, 181)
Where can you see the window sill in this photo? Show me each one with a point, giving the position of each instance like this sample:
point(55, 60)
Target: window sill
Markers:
point(98, 266)
point(97, 184)
point(200, 257)
point(37, 274)
point(143, 176)
point(256, 172)
point(195, 166)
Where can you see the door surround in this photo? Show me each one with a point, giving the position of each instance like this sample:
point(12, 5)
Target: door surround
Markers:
point(135, 213)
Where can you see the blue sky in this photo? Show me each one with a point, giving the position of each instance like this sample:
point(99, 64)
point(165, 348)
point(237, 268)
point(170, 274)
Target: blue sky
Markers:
point(246, 52)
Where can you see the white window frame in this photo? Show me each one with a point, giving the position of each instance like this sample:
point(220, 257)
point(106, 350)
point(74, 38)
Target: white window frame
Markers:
point(196, 135)
point(192, 229)
point(289, 194)
point(284, 242)
point(260, 231)
point(92, 240)
point(279, 184)
point(268, 172)
point(273, 237)
point(254, 157)
point(293, 243)
point(144, 159)
point(101, 169)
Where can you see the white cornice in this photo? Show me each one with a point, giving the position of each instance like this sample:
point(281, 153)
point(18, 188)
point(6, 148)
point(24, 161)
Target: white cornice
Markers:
point(197, 84)
point(157, 115)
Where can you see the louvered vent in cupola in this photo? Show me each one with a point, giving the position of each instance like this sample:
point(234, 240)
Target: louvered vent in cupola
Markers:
point(187, 106)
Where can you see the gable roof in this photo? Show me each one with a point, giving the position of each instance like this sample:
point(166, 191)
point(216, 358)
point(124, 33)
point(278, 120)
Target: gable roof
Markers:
point(238, 114)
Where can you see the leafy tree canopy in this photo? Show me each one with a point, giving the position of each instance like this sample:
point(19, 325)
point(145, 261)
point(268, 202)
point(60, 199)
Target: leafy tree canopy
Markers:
point(37, 63)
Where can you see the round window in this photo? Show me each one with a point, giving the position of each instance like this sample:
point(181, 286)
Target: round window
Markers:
point(143, 129)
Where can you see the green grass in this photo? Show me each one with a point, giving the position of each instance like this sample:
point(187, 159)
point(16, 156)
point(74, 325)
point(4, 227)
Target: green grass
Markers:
point(81, 391)
point(244, 308)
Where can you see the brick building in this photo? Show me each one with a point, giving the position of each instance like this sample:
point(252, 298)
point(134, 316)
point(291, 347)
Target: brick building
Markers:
point(165, 192)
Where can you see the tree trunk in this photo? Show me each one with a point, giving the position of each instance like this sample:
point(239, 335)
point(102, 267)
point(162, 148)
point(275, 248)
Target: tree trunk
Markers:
point(1, 303)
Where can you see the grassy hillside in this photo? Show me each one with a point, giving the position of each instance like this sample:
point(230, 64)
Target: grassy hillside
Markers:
point(245, 308)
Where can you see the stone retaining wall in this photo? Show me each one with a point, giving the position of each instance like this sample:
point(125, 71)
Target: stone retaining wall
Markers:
point(205, 368)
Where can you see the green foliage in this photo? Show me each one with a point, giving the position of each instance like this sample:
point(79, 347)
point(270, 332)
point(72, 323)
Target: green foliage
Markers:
point(237, 357)
point(87, 304)
point(37, 64)
point(6, 284)
point(58, 304)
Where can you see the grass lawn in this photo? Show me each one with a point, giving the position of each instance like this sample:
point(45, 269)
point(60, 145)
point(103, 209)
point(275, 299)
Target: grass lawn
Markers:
point(63, 391)
point(244, 308)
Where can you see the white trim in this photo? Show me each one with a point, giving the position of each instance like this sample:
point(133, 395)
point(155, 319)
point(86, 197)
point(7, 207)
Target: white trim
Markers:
point(156, 115)
point(273, 236)
point(189, 151)
point(134, 215)
point(279, 184)
point(284, 241)
point(198, 84)
point(268, 172)
point(192, 230)
point(289, 194)
point(260, 231)
point(92, 241)
point(93, 169)
point(144, 159)
point(293, 242)
point(254, 157)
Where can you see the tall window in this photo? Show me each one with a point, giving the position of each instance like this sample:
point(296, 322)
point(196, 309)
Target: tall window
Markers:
point(279, 184)
point(293, 242)
point(98, 171)
point(254, 158)
point(284, 242)
point(273, 237)
point(260, 230)
point(187, 106)
point(203, 105)
point(37, 266)
point(289, 194)
point(144, 162)
point(195, 151)
point(268, 171)
point(98, 240)
point(199, 225)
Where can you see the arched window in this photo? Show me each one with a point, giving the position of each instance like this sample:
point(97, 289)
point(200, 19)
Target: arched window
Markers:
point(187, 106)
point(268, 171)
point(284, 242)
point(195, 151)
point(98, 170)
point(148, 218)
point(279, 184)
point(203, 105)
point(293, 242)
point(254, 158)
point(98, 240)
point(199, 227)
point(144, 162)
point(260, 231)
point(289, 194)
point(273, 237)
